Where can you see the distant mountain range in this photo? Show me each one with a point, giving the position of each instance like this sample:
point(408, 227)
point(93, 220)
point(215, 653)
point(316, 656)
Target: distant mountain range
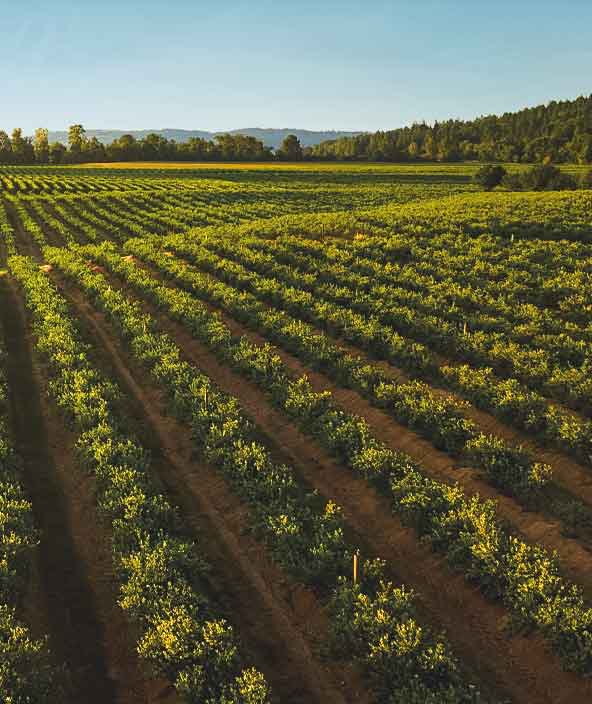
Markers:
point(270, 137)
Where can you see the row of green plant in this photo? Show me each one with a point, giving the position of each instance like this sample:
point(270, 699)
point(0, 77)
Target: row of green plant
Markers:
point(439, 419)
point(553, 276)
point(120, 222)
point(29, 225)
point(304, 534)
point(536, 367)
point(503, 275)
point(42, 183)
point(158, 569)
point(553, 370)
point(525, 577)
point(556, 218)
point(456, 303)
point(6, 230)
point(508, 399)
point(27, 675)
point(549, 359)
point(42, 215)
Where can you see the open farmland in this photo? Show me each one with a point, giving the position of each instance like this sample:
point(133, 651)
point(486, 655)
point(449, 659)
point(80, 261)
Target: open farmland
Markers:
point(294, 434)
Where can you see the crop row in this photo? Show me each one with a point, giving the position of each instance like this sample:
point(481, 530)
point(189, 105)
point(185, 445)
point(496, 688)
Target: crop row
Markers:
point(28, 224)
point(502, 275)
point(507, 398)
point(6, 230)
point(521, 281)
point(525, 577)
point(449, 298)
point(26, 674)
point(538, 272)
point(531, 271)
point(373, 620)
point(533, 367)
point(48, 185)
point(46, 217)
point(157, 567)
point(441, 420)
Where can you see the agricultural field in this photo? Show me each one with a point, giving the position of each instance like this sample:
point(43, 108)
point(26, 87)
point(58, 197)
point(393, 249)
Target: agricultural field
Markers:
point(280, 434)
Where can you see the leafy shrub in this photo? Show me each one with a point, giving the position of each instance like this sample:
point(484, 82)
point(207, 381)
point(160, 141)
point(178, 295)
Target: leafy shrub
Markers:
point(490, 176)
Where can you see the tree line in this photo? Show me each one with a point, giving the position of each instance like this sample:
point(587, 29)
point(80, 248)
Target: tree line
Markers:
point(18, 149)
point(560, 132)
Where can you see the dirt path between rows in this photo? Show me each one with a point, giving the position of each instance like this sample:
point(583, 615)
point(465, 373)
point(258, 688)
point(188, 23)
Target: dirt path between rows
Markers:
point(439, 358)
point(279, 621)
point(522, 668)
point(576, 558)
point(25, 245)
point(542, 681)
point(76, 599)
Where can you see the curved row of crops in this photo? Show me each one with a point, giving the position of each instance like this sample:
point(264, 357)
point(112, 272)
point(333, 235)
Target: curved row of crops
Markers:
point(26, 673)
point(157, 567)
point(305, 535)
point(525, 577)
point(504, 397)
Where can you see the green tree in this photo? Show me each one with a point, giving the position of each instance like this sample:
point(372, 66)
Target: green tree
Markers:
point(126, 148)
point(560, 131)
point(76, 141)
point(513, 182)
point(5, 148)
point(586, 180)
point(17, 142)
point(41, 145)
point(540, 177)
point(291, 149)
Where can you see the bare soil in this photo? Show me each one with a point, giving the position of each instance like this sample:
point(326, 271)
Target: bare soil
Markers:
point(75, 602)
point(518, 666)
point(282, 626)
point(576, 556)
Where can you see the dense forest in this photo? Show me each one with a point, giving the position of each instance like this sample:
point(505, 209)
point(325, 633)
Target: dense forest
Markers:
point(560, 132)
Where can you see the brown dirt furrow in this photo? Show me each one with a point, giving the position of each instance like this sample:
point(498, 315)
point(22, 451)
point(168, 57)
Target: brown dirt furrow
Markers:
point(442, 360)
point(75, 602)
point(25, 244)
point(280, 622)
point(54, 238)
point(576, 558)
point(523, 668)
point(568, 473)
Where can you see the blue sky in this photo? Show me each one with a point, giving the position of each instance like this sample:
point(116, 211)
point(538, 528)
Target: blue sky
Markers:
point(318, 65)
